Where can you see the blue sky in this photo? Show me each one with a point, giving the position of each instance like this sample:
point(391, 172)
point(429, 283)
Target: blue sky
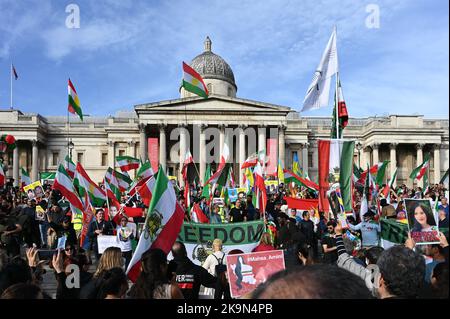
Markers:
point(130, 52)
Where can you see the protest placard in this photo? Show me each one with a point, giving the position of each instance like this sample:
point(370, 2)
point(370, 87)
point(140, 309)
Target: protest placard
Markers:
point(247, 271)
point(421, 221)
point(105, 241)
point(34, 190)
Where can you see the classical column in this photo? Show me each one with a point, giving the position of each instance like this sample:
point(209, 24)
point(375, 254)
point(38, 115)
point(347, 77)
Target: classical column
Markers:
point(261, 138)
point(437, 163)
point(111, 153)
point(419, 160)
point(162, 146)
point(241, 152)
point(393, 158)
point(375, 157)
point(143, 142)
point(221, 140)
point(182, 128)
point(202, 152)
point(34, 161)
point(305, 157)
point(16, 165)
point(281, 144)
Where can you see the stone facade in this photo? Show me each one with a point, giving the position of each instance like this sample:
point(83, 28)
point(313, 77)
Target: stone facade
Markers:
point(201, 125)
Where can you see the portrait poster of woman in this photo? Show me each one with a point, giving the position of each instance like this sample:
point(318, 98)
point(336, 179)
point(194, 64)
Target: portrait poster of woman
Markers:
point(421, 221)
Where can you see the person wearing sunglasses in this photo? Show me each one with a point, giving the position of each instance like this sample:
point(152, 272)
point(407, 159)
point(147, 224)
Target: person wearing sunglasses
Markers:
point(330, 255)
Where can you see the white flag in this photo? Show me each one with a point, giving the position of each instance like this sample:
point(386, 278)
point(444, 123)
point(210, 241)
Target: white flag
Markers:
point(319, 90)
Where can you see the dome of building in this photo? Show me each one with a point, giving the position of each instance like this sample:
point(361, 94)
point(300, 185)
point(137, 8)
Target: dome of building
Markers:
point(212, 66)
point(215, 71)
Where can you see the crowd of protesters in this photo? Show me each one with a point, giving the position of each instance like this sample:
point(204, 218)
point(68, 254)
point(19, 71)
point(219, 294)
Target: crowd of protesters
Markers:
point(322, 259)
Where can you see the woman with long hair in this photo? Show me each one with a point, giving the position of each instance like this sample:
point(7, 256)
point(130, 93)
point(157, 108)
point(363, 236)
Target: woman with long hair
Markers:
point(423, 218)
point(114, 284)
point(111, 258)
point(153, 281)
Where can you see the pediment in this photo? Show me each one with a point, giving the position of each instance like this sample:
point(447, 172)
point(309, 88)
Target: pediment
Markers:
point(212, 105)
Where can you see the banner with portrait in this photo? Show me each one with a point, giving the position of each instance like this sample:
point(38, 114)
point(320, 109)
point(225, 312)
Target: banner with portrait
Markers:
point(421, 221)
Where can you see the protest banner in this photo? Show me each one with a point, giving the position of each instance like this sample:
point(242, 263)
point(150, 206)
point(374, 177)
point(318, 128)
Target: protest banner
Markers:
point(421, 221)
point(198, 238)
point(34, 190)
point(105, 241)
point(40, 213)
point(247, 271)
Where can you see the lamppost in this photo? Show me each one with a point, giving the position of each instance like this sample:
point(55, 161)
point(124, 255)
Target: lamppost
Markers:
point(70, 146)
point(359, 148)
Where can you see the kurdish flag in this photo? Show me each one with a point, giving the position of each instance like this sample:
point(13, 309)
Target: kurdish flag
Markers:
point(74, 102)
point(64, 184)
point(127, 163)
point(193, 82)
point(85, 184)
point(24, 178)
point(162, 225)
point(420, 170)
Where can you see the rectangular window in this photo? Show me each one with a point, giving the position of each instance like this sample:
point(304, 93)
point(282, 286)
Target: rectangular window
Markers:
point(121, 152)
point(80, 157)
point(55, 158)
point(104, 159)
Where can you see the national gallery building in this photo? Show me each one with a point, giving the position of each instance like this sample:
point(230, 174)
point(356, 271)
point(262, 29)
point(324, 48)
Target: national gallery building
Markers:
point(164, 131)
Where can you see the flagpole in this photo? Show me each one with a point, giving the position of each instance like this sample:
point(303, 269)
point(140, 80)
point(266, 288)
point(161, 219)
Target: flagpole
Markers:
point(336, 93)
point(11, 86)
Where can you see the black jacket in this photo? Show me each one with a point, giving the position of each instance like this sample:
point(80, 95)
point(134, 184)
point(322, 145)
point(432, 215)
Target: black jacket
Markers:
point(69, 232)
point(307, 228)
point(190, 277)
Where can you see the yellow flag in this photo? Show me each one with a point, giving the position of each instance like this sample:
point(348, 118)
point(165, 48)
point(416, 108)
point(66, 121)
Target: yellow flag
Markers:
point(280, 173)
point(249, 175)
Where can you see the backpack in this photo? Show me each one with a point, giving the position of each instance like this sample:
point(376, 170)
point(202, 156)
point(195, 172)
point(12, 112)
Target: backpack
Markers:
point(220, 268)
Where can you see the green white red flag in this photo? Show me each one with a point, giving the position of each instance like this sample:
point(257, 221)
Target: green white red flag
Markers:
point(291, 177)
point(193, 82)
point(260, 189)
point(84, 184)
point(69, 166)
point(163, 223)
point(420, 170)
point(197, 215)
point(64, 184)
point(127, 163)
point(24, 178)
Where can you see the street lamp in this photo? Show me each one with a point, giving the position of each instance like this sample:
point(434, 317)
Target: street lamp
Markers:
point(70, 146)
point(359, 148)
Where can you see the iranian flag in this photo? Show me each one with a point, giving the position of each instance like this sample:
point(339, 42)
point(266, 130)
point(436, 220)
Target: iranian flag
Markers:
point(74, 102)
point(162, 225)
point(69, 166)
point(123, 181)
point(335, 155)
point(24, 178)
point(111, 193)
point(260, 186)
point(127, 163)
point(220, 177)
point(193, 82)
point(378, 170)
point(390, 185)
point(143, 174)
point(84, 183)
point(111, 184)
point(290, 177)
point(197, 215)
point(251, 161)
point(420, 170)
point(64, 184)
point(206, 191)
point(342, 113)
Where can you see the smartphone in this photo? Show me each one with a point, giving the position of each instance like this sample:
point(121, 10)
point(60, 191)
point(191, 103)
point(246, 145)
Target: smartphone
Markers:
point(46, 254)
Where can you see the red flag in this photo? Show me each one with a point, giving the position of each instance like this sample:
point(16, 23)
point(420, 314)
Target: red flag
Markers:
point(197, 214)
point(324, 171)
point(260, 189)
